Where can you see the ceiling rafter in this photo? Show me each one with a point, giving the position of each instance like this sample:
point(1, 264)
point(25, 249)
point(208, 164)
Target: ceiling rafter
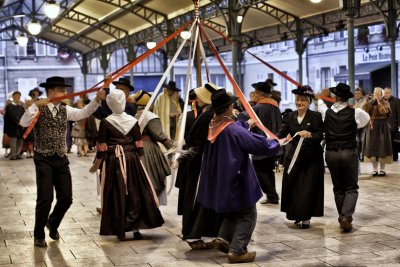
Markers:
point(105, 27)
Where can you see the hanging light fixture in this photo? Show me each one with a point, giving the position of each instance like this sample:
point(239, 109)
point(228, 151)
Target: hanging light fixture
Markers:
point(316, 1)
point(185, 34)
point(22, 39)
point(51, 9)
point(34, 27)
point(239, 19)
point(151, 45)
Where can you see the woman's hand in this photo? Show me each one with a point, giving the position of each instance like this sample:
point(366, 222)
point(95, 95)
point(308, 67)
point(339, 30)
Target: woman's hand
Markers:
point(305, 134)
point(175, 165)
point(95, 166)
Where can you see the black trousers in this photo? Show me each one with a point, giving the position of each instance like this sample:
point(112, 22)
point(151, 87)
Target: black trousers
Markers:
point(51, 172)
point(343, 166)
point(266, 177)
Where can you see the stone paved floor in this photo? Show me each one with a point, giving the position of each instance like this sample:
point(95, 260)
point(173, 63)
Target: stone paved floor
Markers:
point(375, 240)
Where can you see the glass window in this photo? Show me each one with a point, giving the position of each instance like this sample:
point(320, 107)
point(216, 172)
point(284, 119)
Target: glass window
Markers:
point(2, 44)
point(325, 77)
point(21, 51)
point(218, 79)
point(40, 49)
point(51, 51)
point(180, 81)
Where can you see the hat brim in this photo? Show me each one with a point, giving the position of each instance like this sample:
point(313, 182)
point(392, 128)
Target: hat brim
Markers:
point(230, 102)
point(273, 84)
point(254, 85)
point(172, 88)
point(339, 94)
point(131, 88)
point(47, 85)
point(301, 92)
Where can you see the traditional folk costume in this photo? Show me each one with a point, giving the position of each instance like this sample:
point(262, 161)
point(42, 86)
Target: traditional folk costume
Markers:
point(303, 186)
point(268, 111)
point(129, 202)
point(168, 108)
point(155, 162)
point(51, 162)
point(197, 221)
point(377, 145)
point(228, 182)
point(341, 123)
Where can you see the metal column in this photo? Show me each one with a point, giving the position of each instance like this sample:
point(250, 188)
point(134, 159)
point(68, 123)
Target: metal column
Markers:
point(131, 56)
point(84, 70)
point(300, 48)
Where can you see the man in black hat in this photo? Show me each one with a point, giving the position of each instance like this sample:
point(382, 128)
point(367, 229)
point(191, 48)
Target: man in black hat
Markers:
point(268, 111)
point(122, 84)
point(35, 93)
point(341, 123)
point(228, 183)
point(168, 106)
point(51, 162)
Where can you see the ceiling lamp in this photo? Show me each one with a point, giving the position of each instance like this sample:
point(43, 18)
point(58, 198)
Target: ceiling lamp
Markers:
point(239, 19)
point(316, 1)
point(51, 9)
point(22, 39)
point(34, 27)
point(185, 34)
point(151, 45)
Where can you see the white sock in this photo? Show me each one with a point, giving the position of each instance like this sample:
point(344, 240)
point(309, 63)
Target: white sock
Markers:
point(382, 166)
point(375, 166)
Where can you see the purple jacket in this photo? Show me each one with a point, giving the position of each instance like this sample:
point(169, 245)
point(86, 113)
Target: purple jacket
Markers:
point(228, 182)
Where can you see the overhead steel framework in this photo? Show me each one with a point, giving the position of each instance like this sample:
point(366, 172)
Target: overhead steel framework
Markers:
point(97, 28)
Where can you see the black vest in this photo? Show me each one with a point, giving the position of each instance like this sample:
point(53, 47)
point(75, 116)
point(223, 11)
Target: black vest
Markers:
point(50, 133)
point(340, 129)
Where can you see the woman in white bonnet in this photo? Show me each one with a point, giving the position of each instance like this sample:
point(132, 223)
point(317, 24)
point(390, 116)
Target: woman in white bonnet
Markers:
point(377, 147)
point(129, 202)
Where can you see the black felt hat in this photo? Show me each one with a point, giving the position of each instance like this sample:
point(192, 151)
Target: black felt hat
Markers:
point(125, 82)
point(54, 81)
point(172, 86)
point(35, 90)
point(271, 82)
point(304, 90)
point(220, 99)
point(342, 90)
point(263, 87)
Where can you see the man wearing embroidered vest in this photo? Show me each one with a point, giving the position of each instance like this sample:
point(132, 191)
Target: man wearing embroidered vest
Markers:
point(268, 111)
point(51, 162)
point(341, 124)
point(228, 184)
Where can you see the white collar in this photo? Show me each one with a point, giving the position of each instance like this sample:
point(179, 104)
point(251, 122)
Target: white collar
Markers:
point(338, 106)
point(123, 122)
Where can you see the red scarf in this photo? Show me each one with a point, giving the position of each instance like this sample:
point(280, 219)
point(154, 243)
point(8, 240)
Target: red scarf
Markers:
point(217, 125)
point(268, 101)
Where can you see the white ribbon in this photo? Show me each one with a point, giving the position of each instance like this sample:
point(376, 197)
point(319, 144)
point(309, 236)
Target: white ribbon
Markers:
point(174, 171)
point(296, 154)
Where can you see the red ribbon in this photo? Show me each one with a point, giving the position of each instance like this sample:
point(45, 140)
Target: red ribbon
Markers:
point(264, 62)
point(116, 74)
point(238, 92)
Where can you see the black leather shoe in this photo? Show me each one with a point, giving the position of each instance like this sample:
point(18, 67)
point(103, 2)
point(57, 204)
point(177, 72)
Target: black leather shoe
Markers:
point(269, 201)
point(39, 243)
point(53, 233)
point(305, 226)
point(137, 236)
point(346, 225)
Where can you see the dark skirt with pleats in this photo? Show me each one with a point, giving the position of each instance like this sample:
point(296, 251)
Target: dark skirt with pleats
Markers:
point(127, 209)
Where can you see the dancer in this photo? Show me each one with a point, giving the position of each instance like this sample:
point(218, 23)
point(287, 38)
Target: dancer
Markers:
point(129, 202)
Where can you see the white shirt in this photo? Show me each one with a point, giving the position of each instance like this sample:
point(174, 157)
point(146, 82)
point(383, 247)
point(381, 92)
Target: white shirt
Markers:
point(73, 114)
point(361, 117)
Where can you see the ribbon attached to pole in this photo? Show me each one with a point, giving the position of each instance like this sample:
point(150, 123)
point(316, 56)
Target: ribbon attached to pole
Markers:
point(237, 90)
point(116, 74)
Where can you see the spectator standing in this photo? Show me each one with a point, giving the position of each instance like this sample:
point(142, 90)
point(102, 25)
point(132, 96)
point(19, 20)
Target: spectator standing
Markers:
point(394, 120)
point(78, 133)
point(377, 143)
point(13, 114)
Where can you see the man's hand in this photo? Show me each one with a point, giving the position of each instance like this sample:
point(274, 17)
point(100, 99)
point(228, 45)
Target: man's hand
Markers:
point(101, 95)
point(251, 123)
point(107, 80)
point(175, 165)
point(42, 102)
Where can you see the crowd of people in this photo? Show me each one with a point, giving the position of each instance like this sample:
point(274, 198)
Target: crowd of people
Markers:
point(227, 163)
